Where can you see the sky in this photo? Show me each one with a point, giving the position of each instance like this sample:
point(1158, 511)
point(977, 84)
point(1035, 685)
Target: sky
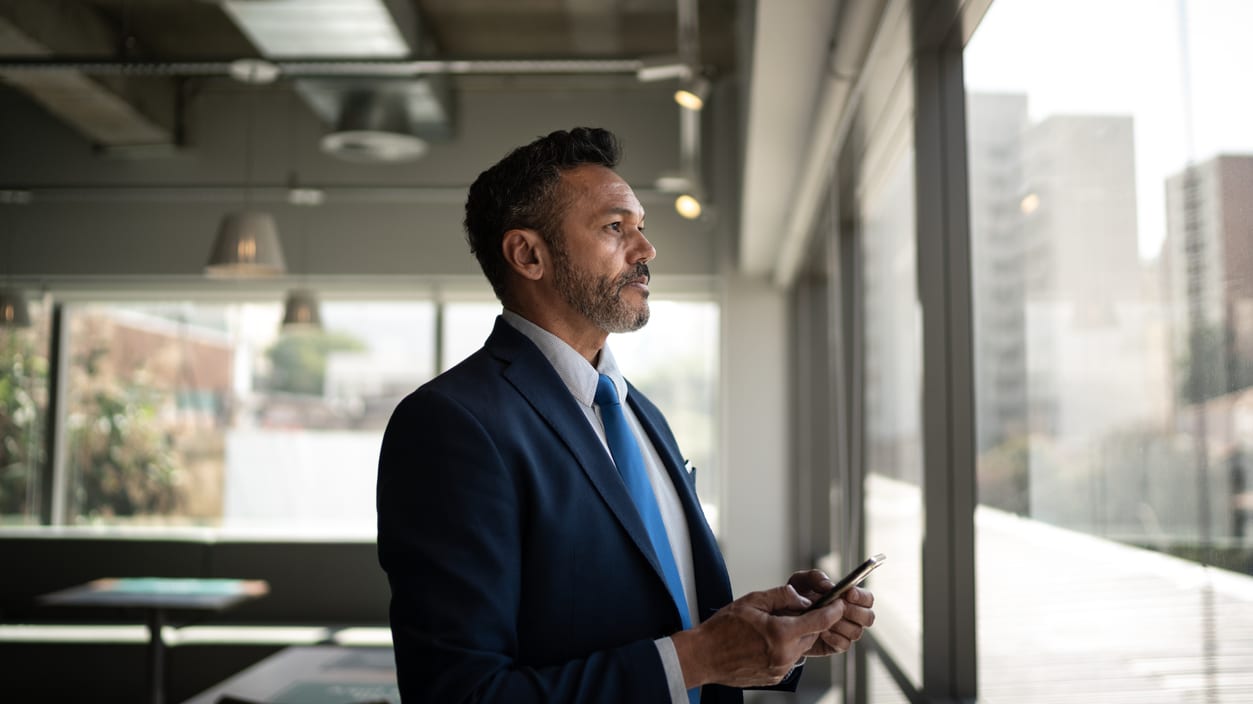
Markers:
point(1127, 57)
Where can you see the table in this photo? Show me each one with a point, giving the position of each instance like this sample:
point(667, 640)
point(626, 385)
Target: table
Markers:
point(157, 596)
point(314, 674)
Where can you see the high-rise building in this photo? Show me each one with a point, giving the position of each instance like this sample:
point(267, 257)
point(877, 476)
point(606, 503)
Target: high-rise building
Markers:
point(1069, 348)
point(997, 123)
point(1208, 274)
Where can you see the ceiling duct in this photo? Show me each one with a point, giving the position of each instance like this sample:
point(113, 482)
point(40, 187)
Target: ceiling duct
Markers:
point(372, 119)
point(374, 127)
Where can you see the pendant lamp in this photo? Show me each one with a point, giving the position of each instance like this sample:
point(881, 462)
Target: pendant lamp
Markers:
point(301, 312)
point(246, 246)
point(14, 313)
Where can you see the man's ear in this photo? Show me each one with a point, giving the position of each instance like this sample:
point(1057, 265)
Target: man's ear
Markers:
point(525, 253)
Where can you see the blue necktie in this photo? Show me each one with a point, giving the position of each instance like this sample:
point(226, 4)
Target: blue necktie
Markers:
point(626, 455)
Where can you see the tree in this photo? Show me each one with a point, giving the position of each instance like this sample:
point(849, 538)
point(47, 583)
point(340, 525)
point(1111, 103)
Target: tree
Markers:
point(299, 361)
point(22, 370)
point(123, 457)
point(1212, 365)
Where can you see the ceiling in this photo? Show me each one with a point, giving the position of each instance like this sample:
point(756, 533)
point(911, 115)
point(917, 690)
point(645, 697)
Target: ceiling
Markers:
point(117, 72)
point(185, 29)
point(120, 59)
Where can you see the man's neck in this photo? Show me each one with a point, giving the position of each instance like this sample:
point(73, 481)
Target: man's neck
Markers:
point(584, 338)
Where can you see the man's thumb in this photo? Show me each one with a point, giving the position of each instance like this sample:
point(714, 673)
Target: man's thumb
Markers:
point(786, 598)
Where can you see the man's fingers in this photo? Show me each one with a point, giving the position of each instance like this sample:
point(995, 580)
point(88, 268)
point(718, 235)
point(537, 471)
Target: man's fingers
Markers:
point(811, 583)
point(819, 620)
point(859, 615)
point(859, 597)
point(784, 598)
point(836, 642)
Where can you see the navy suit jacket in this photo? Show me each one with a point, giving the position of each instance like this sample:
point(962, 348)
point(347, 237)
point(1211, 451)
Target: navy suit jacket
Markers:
point(519, 568)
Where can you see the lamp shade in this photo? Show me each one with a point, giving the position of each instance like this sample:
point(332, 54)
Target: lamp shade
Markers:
point(247, 245)
point(14, 312)
point(301, 310)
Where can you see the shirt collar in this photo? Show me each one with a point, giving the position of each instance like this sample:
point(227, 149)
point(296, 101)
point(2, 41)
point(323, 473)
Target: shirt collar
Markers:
point(578, 375)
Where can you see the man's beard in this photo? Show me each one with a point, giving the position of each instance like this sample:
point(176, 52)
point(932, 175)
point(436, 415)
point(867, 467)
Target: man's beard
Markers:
point(599, 299)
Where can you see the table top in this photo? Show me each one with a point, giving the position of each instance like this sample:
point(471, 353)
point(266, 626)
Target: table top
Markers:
point(319, 674)
point(160, 593)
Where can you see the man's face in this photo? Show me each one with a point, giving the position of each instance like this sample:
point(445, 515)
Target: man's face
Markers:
point(600, 255)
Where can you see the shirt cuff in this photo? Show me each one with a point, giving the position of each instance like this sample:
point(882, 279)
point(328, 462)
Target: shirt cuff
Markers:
point(674, 670)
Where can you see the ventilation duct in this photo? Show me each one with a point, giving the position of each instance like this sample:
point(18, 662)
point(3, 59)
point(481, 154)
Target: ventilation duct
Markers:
point(372, 119)
point(380, 119)
point(373, 127)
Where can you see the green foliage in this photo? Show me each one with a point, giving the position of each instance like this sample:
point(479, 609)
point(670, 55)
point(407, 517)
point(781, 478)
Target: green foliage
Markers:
point(1004, 475)
point(1212, 367)
point(123, 458)
point(22, 370)
point(299, 360)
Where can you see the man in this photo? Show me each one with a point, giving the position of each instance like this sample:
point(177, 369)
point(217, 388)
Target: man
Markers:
point(541, 536)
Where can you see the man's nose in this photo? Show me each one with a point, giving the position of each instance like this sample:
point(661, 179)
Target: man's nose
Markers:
point(646, 252)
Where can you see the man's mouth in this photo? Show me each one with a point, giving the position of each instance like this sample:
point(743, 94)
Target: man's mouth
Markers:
point(640, 277)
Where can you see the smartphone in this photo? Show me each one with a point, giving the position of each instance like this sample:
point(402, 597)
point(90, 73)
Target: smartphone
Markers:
point(849, 581)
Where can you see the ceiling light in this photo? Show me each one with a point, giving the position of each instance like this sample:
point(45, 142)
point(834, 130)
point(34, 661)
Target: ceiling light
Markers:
point(14, 313)
point(692, 94)
point(687, 206)
point(1030, 203)
point(246, 246)
point(301, 310)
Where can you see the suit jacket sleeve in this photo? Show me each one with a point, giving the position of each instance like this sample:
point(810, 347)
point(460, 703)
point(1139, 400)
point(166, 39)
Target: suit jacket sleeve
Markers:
point(452, 516)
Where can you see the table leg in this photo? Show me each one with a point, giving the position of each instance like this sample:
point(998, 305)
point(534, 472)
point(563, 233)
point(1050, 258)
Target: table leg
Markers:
point(156, 657)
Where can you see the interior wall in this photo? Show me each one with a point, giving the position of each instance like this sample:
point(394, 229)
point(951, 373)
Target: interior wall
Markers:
point(756, 504)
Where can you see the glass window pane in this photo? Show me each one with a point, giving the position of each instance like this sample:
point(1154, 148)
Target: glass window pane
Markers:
point(1112, 256)
point(880, 687)
point(893, 411)
point(192, 413)
point(466, 327)
point(23, 414)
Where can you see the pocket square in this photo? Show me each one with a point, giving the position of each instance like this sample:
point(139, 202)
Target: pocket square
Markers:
point(689, 468)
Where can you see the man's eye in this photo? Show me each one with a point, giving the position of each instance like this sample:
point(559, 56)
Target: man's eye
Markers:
point(615, 226)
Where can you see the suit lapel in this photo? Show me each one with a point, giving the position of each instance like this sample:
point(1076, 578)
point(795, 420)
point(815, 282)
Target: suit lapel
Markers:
point(530, 373)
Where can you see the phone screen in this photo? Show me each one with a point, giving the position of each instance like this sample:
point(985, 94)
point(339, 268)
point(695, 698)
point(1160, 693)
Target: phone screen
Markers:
point(849, 581)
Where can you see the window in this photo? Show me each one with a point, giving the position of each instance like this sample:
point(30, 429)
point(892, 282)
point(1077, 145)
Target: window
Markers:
point(674, 361)
point(195, 413)
point(893, 410)
point(466, 326)
point(24, 368)
point(204, 414)
point(1113, 283)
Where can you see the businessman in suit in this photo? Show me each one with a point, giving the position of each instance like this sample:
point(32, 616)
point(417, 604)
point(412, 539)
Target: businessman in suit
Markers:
point(541, 536)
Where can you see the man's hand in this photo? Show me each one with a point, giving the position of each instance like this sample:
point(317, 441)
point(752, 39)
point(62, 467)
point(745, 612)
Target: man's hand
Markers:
point(755, 640)
point(857, 617)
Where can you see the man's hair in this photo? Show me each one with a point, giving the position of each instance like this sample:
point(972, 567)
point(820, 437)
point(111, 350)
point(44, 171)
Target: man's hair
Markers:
point(522, 192)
